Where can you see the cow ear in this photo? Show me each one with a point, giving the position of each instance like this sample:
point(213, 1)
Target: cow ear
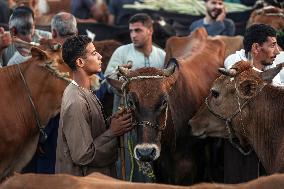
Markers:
point(248, 88)
point(115, 84)
point(38, 53)
point(269, 74)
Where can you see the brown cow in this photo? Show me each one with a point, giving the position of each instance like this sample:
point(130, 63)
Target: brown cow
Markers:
point(270, 15)
point(36, 81)
point(163, 101)
point(96, 180)
point(241, 104)
point(232, 43)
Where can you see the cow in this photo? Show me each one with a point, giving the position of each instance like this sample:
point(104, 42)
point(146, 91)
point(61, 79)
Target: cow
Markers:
point(40, 82)
point(164, 100)
point(243, 105)
point(267, 15)
point(97, 180)
point(232, 43)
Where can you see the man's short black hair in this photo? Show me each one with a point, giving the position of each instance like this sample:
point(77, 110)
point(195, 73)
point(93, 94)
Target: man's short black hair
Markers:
point(144, 18)
point(73, 48)
point(257, 33)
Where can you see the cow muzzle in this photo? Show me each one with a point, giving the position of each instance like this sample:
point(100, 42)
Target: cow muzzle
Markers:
point(146, 152)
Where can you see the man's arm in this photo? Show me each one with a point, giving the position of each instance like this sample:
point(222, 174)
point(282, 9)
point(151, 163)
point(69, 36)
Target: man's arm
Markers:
point(84, 149)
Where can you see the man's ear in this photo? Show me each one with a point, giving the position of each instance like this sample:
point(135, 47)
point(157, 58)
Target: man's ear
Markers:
point(54, 34)
point(13, 31)
point(255, 48)
point(80, 62)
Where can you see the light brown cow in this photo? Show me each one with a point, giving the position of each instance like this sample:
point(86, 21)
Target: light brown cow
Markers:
point(96, 180)
point(241, 104)
point(232, 43)
point(33, 81)
point(164, 101)
point(270, 15)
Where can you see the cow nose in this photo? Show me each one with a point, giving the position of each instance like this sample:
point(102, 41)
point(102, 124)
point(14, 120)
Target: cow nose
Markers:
point(145, 154)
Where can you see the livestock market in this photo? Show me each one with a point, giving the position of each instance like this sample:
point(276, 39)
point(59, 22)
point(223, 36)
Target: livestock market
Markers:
point(148, 94)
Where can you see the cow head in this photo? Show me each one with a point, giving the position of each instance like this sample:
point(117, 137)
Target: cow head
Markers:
point(146, 92)
point(226, 109)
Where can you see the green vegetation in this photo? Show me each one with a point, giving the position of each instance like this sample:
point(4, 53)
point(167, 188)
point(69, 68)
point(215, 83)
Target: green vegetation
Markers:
point(191, 7)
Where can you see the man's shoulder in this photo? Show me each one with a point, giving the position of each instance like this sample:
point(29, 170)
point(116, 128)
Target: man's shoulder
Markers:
point(197, 23)
point(229, 21)
point(158, 50)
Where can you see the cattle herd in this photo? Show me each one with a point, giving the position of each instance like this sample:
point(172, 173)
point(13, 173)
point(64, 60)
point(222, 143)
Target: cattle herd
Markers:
point(174, 110)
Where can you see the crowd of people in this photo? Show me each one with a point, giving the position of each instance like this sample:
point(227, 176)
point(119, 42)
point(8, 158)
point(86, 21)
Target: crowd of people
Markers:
point(82, 140)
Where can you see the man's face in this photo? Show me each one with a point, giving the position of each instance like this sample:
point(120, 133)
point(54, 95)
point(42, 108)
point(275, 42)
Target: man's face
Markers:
point(93, 60)
point(139, 34)
point(268, 51)
point(214, 8)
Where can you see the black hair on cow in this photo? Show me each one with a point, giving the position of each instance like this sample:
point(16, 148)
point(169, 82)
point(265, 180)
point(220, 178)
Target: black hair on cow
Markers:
point(257, 33)
point(144, 18)
point(74, 48)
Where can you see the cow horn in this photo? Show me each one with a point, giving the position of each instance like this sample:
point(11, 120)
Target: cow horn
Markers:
point(229, 72)
point(269, 74)
point(123, 71)
point(170, 67)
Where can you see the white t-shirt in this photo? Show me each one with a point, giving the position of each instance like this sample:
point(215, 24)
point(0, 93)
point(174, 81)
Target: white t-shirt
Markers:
point(240, 55)
point(127, 53)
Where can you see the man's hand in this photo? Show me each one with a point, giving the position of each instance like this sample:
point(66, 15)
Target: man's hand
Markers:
point(121, 122)
point(5, 39)
point(222, 15)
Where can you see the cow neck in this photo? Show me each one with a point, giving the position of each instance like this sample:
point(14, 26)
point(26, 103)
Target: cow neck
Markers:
point(266, 129)
point(43, 135)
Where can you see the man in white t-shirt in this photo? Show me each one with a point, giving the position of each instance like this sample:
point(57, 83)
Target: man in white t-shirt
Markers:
point(141, 52)
point(260, 46)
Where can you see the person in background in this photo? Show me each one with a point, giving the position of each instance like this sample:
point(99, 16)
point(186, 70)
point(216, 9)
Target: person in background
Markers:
point(116, 11)
point(215, 21)
point(141, 52)
point(21, 25)
point(85, 9)
point(260, 47)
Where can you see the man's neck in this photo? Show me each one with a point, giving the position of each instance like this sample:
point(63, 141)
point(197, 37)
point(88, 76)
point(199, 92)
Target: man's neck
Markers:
point(258, 65)
point(146, 50)
point(208, 19)
point(81, 79)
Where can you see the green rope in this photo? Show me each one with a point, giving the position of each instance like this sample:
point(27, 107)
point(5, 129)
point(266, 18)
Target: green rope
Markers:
point(130, 147)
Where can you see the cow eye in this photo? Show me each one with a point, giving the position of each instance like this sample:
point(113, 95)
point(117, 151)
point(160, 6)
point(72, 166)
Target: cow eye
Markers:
point(214, 93)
